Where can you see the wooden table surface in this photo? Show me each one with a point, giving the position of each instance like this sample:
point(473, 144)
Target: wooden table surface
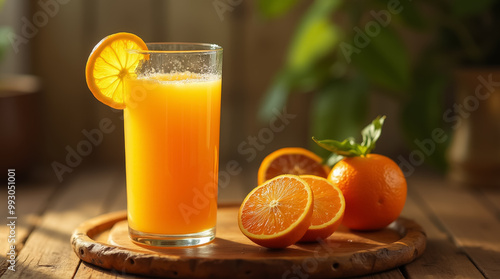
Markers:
point(462, 226)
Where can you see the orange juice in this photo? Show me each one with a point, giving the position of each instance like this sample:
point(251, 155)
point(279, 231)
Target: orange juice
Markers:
point(172, 146)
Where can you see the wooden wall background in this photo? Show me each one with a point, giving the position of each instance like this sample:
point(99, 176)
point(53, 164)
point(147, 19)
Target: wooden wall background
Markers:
point(254, 49)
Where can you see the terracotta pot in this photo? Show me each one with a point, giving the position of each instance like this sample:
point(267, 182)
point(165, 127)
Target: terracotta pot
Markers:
point(19, 122)
point(474, 154)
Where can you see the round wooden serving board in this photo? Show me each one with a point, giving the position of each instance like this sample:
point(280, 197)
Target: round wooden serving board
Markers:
point(103, 241)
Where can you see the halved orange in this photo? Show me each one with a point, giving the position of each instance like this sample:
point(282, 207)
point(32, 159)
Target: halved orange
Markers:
point(109, 63)
point(328, 210)
point(277, 213)
point(291, 160)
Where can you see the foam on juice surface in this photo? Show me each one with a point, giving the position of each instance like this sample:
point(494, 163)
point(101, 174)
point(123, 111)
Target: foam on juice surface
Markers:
point(178, 77)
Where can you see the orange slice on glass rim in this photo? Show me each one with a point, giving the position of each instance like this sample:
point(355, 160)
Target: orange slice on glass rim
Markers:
point(277, 213)
point(109, 63)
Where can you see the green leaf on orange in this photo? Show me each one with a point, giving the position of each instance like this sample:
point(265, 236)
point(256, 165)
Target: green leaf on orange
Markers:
point(349, 147)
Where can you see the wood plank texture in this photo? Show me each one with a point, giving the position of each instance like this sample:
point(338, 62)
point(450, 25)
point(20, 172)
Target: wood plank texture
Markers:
point(91, 271)
point(391, 274)
point(462, 229)
point(58, 58)
point(31, 200)
point(117, 201)
point(492, 198)
point(441, 256)
point(47, 252)
point(466, 219)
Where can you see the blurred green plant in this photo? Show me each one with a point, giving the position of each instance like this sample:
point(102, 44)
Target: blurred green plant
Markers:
point(342, 51)
point(4, 36)
point(4, 41)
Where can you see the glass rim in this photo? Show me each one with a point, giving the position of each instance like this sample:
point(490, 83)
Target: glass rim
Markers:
point(197, 48)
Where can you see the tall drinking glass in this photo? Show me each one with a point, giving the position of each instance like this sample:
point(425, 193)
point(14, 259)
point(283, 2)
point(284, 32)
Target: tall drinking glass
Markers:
point(172, 122)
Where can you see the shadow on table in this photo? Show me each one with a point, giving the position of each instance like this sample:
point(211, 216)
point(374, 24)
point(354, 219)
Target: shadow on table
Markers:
point(88, 269)
point(18, 268)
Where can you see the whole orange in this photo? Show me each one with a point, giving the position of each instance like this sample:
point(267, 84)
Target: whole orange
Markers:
point(374, 189)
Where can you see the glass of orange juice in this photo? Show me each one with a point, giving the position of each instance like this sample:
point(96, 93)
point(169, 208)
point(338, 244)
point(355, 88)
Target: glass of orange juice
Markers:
point(172, 122)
